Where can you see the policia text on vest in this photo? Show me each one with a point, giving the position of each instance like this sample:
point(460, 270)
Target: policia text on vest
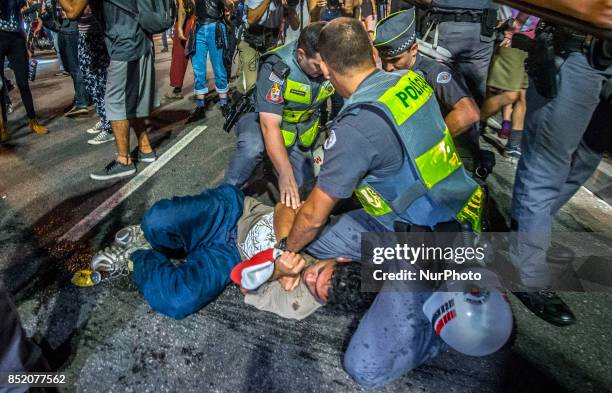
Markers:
point(432, 185)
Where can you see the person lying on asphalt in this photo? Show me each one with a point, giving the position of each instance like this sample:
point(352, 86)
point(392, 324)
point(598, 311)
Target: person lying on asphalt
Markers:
point(214, 231)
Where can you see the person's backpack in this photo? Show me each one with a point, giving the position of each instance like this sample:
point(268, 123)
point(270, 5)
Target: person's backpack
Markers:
point(154, 16)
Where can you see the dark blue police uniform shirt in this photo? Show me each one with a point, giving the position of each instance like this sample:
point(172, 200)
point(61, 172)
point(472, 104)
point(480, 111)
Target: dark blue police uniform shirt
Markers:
point(359, 144)
point(449, 87)
point(269, 90)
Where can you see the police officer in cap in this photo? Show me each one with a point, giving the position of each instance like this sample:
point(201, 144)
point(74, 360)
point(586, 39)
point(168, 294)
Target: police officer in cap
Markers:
point(390, 147)
point(395, 41)
point(289, 94)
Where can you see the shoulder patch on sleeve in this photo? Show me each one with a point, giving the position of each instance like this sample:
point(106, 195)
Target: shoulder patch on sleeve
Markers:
point(330, 141)
point(444, 77)
point(274, 94)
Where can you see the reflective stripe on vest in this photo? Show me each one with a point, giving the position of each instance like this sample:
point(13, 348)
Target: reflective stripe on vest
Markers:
point(405, 98)
point(307, 137)
point(326, 91)
point(372, 203)
point(435, 169)
point(439, 161)
point(471, 213)
point(297, 116)
point(288, 137)
point(297, 92)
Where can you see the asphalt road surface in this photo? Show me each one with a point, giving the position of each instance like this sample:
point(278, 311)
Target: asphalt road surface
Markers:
point(107, 339)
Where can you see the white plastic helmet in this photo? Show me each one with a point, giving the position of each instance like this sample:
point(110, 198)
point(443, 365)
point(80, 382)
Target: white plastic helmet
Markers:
point(473, 318)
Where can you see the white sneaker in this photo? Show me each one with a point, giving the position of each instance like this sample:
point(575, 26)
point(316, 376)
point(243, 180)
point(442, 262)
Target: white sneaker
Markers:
point(116, 258)
point(131, 235)
point(102, 137)
point(112, 259)
point(95, 129)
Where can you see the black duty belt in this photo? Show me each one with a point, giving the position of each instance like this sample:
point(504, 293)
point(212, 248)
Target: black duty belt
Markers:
point(468, 16)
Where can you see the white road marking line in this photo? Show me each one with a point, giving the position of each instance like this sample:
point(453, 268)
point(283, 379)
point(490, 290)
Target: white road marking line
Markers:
point(93, 218)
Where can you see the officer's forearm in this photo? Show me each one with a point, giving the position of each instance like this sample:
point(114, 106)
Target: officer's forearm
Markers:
point(275, 147)
point(284, 217)
point(310, 219)
point(305, 228)
point(462, 116)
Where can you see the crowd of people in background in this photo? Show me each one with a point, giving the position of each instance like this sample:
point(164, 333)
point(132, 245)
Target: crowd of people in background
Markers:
point(250, 29)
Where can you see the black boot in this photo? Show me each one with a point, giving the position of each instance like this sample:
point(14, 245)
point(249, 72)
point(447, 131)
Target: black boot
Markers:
point(225, 110)
point(547, 305)
point(198, 113)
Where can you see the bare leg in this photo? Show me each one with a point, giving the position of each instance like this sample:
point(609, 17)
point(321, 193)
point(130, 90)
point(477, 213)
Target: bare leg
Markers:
point(121, 129)
point(140, 128)
point(495, 102)
point(507, 112)
point(518, 114)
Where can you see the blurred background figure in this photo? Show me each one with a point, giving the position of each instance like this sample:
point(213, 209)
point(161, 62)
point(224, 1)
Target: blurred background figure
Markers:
point(13, 47)
point(178, 66)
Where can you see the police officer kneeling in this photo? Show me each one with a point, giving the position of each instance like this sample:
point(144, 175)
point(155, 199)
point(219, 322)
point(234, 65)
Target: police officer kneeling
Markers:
point(389, 145)
point(288, 95)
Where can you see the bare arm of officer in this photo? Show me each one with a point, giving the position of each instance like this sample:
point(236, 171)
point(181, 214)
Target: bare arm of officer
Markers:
point(464, 113)
point(310, 219)
point(289, 265)
point(255, 14)
point(596, 12)
point(73, 8)
point(275, 147)
point(284, 217)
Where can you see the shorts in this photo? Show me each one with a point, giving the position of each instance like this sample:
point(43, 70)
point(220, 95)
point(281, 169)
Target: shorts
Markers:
point(130, 89)
point(507, 70)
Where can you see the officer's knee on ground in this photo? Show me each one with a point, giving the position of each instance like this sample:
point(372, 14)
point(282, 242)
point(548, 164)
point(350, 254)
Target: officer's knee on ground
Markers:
point(368, 374)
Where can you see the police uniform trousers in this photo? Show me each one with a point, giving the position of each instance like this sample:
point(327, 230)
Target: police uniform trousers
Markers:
point(471, 52)
point(394, 335)
point(249, 153)
point(561, 147)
